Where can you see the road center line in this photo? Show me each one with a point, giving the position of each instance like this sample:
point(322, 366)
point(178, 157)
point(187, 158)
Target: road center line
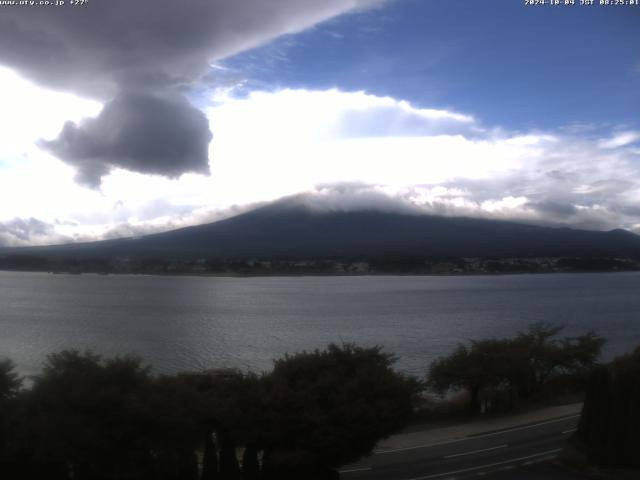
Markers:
point(476, 451)
point(353, 470)
point(482, 435)
point(489, 465)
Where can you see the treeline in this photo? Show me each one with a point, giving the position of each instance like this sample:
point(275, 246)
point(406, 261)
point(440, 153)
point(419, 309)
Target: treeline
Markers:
point(90, 418)
point(85, 417)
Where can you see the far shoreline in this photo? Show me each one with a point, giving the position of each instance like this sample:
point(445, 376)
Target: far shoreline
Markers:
point(319, 274)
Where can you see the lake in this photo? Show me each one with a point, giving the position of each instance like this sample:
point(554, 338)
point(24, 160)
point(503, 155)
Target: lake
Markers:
point(193, 323)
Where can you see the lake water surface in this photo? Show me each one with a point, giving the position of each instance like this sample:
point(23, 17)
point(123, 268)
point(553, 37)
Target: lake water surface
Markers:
point(191, 323)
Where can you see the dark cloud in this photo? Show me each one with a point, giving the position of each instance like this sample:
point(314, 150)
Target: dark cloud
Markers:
point(158, 46)
point(110, 43)
point(156, 133)
point(553, 210)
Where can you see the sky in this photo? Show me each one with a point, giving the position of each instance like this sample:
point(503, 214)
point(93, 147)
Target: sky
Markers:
point(121, 118)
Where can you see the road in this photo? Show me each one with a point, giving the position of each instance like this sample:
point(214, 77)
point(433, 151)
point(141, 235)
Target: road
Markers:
point(484, 455)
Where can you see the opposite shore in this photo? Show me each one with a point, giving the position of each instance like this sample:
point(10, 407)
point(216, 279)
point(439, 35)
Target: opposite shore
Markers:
point(322, 267)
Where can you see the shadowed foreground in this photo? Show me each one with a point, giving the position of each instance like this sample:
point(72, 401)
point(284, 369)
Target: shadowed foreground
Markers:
point(86, 417)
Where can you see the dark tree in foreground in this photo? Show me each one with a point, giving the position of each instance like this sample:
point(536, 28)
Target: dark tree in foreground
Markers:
point(329, 408)
point(91, 418)
point(209, 459)
point(473, 368)
point(250, 463)
point(10, 381)
point(88, 414)
point(537, 355)
point(229, 466)
point(518, 367)
point(610, 422)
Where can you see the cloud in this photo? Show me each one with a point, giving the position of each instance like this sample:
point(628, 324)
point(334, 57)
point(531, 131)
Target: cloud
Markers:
point(274, 144)
point(390, 118)
point(607, 187)
point(110, 43)
point(620, 139)
point(440, 161)
point(353, 196)
point(104, 48)
point(456, 202)
point(31, 231)
point(154, 133)
point(553, 209)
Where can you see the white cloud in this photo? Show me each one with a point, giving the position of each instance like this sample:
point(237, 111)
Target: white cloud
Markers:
point(272, 144)
point(620, 139)
point(30, 113)
point(299, 138)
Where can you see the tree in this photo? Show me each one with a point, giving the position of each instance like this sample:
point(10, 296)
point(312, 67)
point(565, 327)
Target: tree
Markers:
point(10, 381)
point(188, 465)
point(10, 384)
point(250, 464)
point(474, 368)
point(90, 415)
point(519, 367)
point(329, 408)
point(224, 401)
point(610, 420)
point(534, 356)
point(537, 355)
point(229, 466)
point(209, 459)
point(174, 415)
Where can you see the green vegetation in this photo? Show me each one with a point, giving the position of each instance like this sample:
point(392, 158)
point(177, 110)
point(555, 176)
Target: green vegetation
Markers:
point(87, 417)
point(497, 374)
point(91, 418)
point(330, 408)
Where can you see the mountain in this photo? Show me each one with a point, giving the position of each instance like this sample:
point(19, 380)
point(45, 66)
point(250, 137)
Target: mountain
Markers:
point(290, 230)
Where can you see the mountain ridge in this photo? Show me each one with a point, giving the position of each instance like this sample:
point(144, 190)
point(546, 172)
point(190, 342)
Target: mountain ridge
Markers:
point(294, 230)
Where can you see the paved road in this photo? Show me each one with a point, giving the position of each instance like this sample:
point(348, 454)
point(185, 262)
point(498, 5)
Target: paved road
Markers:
point(486, 454)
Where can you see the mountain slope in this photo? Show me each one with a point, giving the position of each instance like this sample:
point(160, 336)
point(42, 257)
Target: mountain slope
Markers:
point(285, 230)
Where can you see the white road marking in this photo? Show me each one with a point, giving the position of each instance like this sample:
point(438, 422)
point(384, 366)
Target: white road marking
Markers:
point(483, 435)
point(569, 431)
point(489, 465)
point(352, 470)
point(476, 451)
